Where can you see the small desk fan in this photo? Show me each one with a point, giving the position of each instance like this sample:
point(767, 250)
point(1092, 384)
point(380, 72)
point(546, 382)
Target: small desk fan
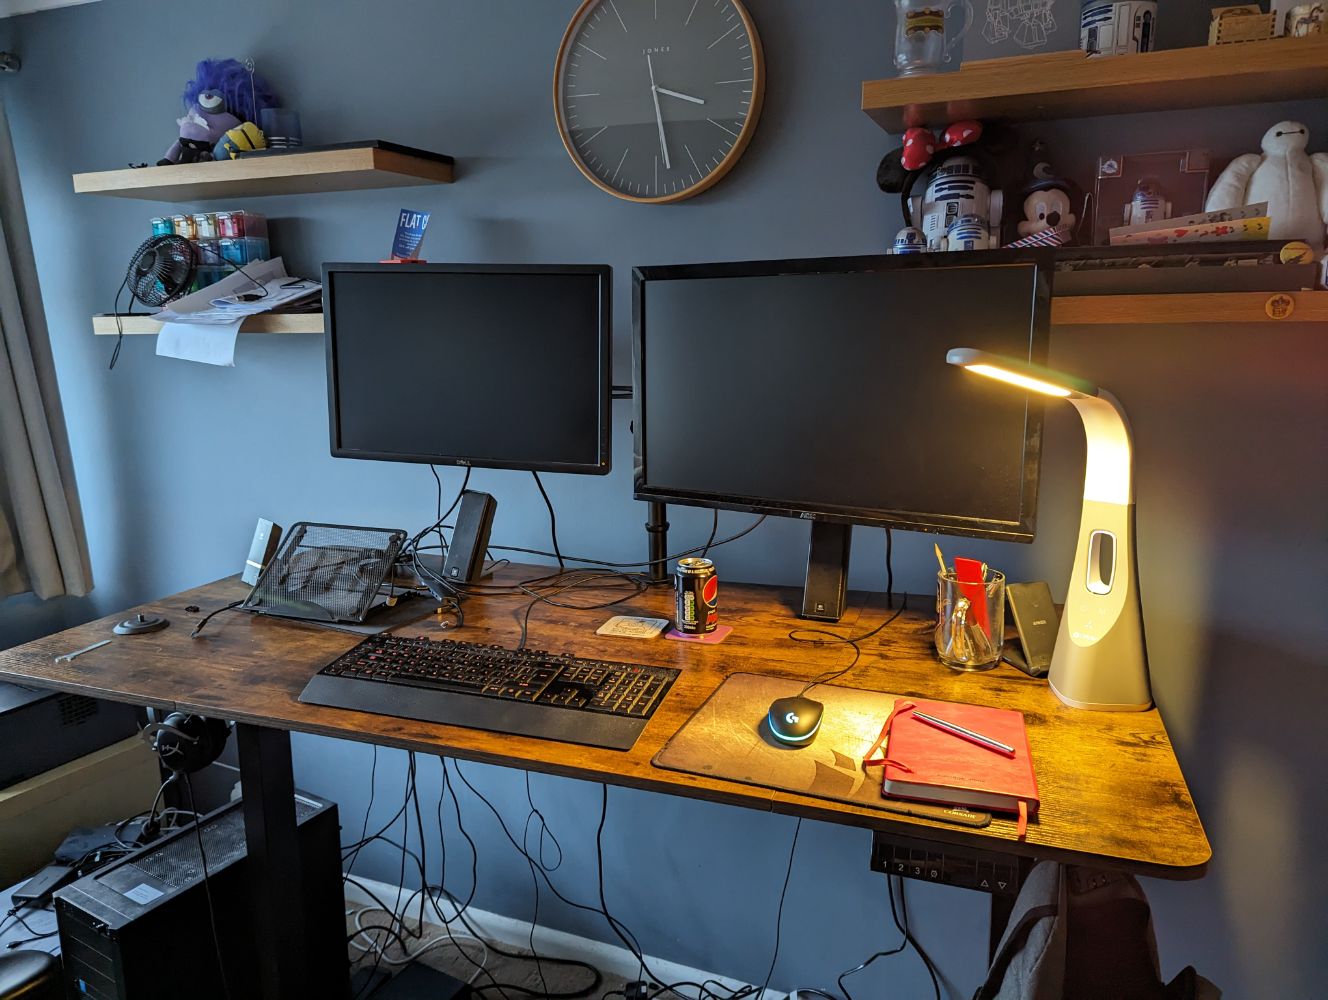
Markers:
point(160, 271)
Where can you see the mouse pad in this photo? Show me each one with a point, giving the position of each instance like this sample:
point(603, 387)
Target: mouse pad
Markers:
point(727, 738)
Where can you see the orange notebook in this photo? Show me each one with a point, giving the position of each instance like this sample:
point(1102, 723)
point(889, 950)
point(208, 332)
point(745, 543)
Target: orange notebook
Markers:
point(930, 765)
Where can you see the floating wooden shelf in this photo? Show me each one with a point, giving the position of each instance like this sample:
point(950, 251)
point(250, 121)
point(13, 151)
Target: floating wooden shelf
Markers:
point(1066, 310)
point(262, 323)
point(1071, 85)
point(286, 173)
point(1174, 310)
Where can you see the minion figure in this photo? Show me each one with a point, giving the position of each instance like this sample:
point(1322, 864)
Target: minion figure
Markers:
point(244, 137)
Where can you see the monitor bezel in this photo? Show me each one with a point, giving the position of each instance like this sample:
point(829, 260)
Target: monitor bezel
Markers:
point(1042, 262)
point(603, 463)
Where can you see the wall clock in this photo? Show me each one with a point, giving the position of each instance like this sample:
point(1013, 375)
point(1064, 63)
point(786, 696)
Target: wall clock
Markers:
point(657, 99)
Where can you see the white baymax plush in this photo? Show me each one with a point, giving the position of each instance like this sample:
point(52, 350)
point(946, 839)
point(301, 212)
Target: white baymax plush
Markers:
point(1294, 184)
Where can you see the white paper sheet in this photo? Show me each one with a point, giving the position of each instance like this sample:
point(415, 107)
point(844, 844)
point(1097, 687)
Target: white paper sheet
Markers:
point(209, 343)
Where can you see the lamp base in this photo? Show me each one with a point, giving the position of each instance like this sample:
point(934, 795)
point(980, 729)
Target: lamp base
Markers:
point(1100, 662)
point(1097, 706)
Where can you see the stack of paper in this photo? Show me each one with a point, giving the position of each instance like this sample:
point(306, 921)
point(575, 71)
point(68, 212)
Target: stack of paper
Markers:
point(203, 326)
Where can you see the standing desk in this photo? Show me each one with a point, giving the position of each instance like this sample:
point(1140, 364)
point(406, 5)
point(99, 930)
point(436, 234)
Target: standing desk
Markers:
point(1112, 792)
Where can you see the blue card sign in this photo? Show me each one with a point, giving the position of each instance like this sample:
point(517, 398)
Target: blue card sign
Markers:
point(410, 234)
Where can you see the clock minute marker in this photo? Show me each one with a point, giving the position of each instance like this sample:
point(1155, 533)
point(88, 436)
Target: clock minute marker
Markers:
point(691, 157)
point(618, 16)
point(723, 36)
point(722, 128)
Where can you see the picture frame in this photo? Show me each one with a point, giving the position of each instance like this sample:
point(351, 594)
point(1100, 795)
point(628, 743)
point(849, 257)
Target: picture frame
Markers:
point(1155, 186)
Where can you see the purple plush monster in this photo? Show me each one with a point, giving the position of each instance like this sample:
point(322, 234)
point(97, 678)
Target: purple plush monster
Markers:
point(222, 94)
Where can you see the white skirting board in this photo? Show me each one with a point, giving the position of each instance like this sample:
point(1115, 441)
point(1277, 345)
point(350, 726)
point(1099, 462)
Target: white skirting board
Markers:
point(513, 933)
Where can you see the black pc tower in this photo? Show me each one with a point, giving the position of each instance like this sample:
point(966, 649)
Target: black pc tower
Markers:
point(41, 730)
point(139, 928)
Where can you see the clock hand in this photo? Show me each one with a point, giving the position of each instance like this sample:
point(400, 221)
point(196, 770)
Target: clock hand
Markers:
point(674, 93)
point(659, 119)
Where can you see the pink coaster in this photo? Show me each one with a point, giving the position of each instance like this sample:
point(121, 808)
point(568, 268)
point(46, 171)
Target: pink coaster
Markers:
point(710, 638)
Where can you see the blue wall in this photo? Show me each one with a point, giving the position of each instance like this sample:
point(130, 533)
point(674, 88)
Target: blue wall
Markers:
point(175, 461)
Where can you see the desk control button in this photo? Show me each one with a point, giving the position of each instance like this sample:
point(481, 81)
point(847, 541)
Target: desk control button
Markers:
point(961, 871)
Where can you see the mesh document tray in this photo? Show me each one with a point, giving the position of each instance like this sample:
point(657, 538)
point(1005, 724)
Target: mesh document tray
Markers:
point(326, 572)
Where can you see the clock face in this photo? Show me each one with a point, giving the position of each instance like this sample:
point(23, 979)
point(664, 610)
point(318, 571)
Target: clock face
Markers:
point(657, 99)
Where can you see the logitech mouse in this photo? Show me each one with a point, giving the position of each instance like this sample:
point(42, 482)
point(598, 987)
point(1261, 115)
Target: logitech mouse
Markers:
point(795, 720)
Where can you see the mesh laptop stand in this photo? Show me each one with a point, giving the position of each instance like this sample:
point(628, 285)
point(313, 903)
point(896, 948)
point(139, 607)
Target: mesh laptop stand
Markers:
point(326, 572)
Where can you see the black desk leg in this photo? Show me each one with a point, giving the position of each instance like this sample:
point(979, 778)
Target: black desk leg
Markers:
point(1001, 908)
point(275, 889)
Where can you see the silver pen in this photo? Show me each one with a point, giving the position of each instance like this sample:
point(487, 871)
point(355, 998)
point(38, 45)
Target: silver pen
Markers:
point(996, 746)
point(66, 657)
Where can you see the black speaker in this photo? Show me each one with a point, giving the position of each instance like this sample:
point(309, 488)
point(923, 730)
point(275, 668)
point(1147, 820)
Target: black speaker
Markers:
point(826, 586)
point(470, 538)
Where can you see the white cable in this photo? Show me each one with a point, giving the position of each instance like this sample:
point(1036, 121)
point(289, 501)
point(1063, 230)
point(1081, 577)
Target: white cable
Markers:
point(381, 948)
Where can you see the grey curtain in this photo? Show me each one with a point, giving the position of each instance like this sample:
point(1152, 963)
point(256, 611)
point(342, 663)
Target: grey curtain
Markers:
point(43, 548)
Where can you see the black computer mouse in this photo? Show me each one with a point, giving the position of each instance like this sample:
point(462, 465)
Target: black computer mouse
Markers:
point(795, 720)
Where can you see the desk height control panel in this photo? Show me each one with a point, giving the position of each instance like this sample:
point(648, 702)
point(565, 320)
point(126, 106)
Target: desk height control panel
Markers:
point(963, 867)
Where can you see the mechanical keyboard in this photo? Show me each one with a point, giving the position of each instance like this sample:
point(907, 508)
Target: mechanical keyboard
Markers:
point(525, 692)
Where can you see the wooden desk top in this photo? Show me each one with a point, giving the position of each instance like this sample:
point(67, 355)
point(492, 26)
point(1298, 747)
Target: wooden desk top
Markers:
point(1112, 791)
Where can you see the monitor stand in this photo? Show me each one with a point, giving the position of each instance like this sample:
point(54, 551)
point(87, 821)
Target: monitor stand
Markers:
point(657, 538)
point(826, 586)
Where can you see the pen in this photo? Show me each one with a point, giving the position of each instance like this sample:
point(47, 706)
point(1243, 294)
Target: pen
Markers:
point(66, 657)
point(996, 746)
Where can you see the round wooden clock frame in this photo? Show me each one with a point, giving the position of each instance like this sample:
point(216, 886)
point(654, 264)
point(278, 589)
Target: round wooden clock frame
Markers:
point(730, 158)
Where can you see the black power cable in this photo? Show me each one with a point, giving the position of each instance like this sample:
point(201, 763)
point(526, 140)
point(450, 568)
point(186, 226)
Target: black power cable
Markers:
point(779, 913)
point(207, 888)
point(714, 528)
point(553, 520)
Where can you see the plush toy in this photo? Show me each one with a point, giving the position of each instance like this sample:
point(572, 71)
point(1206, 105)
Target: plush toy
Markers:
point(1047, 205)
point(223, 95)
point(1049, 199)
point(1294, 184)
point(241, 139)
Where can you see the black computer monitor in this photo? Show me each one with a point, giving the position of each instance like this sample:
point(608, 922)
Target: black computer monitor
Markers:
point(819, 389)
point(500, 366)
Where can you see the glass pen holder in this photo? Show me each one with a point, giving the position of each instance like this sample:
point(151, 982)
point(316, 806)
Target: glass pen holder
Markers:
point(970, 621)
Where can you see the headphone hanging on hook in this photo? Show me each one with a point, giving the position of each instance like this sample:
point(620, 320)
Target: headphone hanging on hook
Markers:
point(186, 743)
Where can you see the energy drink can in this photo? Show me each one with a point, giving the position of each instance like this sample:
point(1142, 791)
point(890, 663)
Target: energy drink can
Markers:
point(696, 588)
